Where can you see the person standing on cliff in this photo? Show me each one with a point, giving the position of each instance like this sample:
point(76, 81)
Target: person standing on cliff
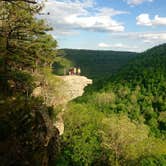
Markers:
point(64, 71)
point(75, 70)
point(79, 71)
point(70, 71)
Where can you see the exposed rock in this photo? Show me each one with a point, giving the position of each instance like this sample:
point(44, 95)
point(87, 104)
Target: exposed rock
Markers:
point(74, 86)
point(59, 124)
point(71, 87)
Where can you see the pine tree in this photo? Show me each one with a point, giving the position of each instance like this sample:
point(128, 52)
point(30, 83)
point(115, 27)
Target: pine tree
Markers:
point(24, 42)
point(25, 121)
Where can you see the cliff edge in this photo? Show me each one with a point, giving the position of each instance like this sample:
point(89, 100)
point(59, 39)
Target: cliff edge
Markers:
point(74, 86)
point(59, 90)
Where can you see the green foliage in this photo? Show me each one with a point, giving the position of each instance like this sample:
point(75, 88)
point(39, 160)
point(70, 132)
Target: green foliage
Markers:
point(120, 122)
point(81, 143)
point(152, 161)
point(62, 65)
point(107, 139)
point(28, 136)
point(97, 64)
point(138, 89)
point(24, 44)
point(131, 107)
point(25, 124)
point(128, 140)
point(52, 87)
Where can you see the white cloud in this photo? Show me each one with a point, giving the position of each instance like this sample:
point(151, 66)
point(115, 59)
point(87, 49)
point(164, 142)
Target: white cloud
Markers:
point(120, 45)
point(143, 40)
point(147, 41)
point(136, 2)
point(68, 15)
point(144, 19)
point(103, 45)
point(117, 46)
point(159, 20)
point(160, 36)
point(153, 37)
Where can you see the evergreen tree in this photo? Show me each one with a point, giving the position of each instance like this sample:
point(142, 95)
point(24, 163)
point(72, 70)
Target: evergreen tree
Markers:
point(24, 42)
point(28, 136)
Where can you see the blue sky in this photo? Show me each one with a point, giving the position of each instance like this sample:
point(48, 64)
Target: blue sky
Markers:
point(128, 25)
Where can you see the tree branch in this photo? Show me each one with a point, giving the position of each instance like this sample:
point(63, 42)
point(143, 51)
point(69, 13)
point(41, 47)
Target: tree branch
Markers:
point(28, 1)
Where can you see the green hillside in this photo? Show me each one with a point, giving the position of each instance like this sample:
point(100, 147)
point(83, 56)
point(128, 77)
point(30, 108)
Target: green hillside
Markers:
point(142, 86)
point(144, 80)
point(124, 122)
point(119, 121)
point(95, 63)
point(146, 69)
point(151, 64)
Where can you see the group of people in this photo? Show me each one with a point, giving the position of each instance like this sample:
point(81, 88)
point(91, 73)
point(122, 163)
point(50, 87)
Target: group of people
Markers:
point(74, 71)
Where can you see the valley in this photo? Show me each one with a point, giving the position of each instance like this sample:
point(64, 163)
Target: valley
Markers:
point(81, 107)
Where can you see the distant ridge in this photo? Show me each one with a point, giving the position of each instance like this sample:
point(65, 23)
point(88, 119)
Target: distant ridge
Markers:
point(97, 63)
point(148, 64)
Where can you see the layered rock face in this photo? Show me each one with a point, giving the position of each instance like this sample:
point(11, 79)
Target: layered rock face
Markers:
point(69, 88)
point(74, 86)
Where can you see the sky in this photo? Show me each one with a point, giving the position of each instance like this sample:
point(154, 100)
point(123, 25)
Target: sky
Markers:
point(121, 25)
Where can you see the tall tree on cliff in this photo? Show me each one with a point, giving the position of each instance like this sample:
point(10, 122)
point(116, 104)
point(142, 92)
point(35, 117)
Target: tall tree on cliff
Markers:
point(28, 136)
point(24, 44)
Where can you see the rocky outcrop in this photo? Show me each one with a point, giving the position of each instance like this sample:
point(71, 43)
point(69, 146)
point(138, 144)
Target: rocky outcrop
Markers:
point(68, 88)
point(74, 86)
point(59, 124)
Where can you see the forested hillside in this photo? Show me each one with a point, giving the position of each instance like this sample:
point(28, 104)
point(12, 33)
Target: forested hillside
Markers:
point(149, 65)
point(120, 121)
point(93, 63)
point(124, 122)
point(27, 134)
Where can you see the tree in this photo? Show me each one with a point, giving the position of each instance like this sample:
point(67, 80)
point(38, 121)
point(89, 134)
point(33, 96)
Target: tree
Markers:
point(128, 141)
point(81, 144)
point(28, 135)
point(22, 38)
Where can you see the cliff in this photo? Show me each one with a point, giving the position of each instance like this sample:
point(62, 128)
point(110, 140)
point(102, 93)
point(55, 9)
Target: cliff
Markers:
point(59, 90)
point(74, 86)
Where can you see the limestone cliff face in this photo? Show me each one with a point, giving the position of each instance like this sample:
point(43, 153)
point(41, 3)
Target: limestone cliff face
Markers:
point(74, 86)
point(65, 90)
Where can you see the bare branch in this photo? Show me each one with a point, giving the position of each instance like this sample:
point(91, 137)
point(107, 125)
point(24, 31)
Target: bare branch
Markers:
point(28, 1)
